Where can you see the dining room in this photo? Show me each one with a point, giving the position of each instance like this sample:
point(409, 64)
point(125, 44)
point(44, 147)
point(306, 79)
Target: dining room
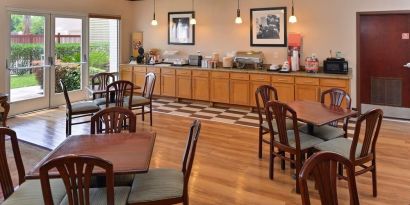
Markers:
point(204, 102)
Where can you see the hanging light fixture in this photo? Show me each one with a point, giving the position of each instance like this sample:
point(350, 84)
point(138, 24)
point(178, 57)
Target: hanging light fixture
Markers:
point(154, 21)
point(193, 20)
point(293, 19)
point(238, 19)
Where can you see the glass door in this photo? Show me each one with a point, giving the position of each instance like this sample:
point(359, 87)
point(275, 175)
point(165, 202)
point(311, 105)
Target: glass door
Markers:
point(28, 61)
point(69, 51)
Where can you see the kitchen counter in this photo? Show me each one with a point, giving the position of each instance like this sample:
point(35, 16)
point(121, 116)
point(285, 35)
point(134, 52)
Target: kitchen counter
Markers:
point(252, 71)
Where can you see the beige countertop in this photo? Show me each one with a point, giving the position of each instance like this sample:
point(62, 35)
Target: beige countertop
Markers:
point(254, 71)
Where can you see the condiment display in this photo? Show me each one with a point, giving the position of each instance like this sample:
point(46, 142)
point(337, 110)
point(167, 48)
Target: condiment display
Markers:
point(312, 64)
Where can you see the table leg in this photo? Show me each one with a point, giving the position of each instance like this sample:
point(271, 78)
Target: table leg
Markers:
point(310, 129)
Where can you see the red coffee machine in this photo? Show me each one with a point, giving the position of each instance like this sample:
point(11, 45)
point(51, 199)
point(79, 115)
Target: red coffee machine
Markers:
point(294, 50)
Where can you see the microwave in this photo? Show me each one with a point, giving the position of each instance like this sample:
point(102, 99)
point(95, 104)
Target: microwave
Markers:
point(336, 66)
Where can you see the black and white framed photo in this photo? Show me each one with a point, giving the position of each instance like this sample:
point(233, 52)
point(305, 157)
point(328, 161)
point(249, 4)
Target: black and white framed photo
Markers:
point(180, 31)
point(268, 27)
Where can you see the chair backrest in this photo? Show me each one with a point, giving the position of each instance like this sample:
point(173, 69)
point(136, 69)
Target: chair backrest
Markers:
point(373, 120)
point(323, 167)
point(120, 89)
point(149, 86)
point(100, 81)
point(66, 97)
point(264, 94)
point(113, 120)
point(190, 149)
point(6, 108)
point(76, 172)
point(5, 176)
point(337, 96)
point(279, 111)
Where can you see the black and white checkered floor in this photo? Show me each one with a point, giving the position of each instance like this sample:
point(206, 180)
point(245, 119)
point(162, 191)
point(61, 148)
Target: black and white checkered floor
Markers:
point(225, 115)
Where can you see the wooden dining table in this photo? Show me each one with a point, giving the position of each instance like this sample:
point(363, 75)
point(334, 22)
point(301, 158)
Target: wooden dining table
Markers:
point(318, 114)
point(130, 153)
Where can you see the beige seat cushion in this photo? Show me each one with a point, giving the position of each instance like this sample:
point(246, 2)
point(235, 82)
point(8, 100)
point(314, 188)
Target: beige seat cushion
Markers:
point(30, 193)
point(339, 145)
point(157, 184)
point(306, 141)
point(289, 125)
point(82, 107)
point(98, 196)
point(100, 101)
point(325, 132)
point(139, 100)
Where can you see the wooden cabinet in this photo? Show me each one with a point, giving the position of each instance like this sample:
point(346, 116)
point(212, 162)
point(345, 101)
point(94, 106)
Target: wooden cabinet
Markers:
point(139, 76)
point(220, 87)
point(257, 80)
point(168, 82)
point(307, 89)
point(183, 84)
point(126, 73)
point(239, 89)
point(285, 86)
point(157, 72)
point(200, 85)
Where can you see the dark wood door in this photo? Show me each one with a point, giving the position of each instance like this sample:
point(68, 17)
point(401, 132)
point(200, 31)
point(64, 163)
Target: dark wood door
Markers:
point(384, 50)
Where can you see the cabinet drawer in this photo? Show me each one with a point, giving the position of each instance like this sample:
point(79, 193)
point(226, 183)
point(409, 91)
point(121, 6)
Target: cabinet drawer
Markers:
point(220, 75)
point(307, 81)
point(239, 76)
point(283, 79)
point(261, 78)
point(140, 69)
point(184, 72)
point(154, 70)
point(196, 73)
point(167, 71)
point(334, 83)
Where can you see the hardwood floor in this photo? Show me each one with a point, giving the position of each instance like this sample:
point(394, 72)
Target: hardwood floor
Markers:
point(226, 168)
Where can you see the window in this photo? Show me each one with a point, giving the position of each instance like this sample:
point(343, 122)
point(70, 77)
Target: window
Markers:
point(104, 44)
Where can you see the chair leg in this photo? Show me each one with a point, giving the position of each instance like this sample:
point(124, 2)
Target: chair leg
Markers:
point(150, 114)
point(271, 162)
point(186, 199)
point(66, 125)
point(374, 178)
point(260, 143)
point(292, 165)
point(69, 124)
point(340, 169)
point(298, 167)
point(283, 162)
point(143, 113)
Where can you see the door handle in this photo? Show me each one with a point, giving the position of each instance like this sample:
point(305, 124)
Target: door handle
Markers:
point(407, 65)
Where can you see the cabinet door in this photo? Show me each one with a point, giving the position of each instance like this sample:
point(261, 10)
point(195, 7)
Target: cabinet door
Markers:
point(220, 90)
point(200, 88)
point(126, 73)
point(139, 79)
point(168, 85)
point(286, 92)
point(307, 92)
point(239, 94)
point(184, 85)
point(254, 85)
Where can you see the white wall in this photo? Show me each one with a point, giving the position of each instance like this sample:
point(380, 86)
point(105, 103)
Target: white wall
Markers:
point(325, 25)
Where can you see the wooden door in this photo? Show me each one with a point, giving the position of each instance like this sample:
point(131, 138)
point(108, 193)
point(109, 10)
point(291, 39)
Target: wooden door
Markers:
point(239, 92)
point(384, 49)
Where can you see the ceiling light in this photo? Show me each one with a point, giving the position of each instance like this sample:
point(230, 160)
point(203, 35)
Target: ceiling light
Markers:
point(193, 20)
point(154, 21)
point(293, 19)
point(238, 19)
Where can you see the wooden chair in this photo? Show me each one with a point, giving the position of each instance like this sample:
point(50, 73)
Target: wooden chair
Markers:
point(4, 111)
point(77, 110)
point(359, 153)
point(166, 186)
point(322, 166)
point(121, 92)
point(113, 120)
point(76, 172)
point(264, 94)
point(100, 81)
point(28, 192)
point(139, 102)
point(331, 131)
point(291, 141)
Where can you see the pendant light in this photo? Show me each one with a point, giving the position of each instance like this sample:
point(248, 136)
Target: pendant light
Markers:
point(193, 20)
point(238, 19)
point(154, 21)
point(293, 19)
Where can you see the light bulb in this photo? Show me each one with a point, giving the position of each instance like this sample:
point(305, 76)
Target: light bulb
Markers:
point(192, 21)
point(238, 20)
point(154, 22)
point(293, 19)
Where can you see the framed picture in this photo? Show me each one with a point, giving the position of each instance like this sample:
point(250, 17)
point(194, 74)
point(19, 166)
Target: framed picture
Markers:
point(180, 31)
point(268, 27)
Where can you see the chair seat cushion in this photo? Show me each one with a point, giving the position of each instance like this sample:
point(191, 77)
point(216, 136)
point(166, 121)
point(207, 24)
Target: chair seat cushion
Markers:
point(98, 196)
point(84, 107)
point(30, 193)
point(325, 132)
point(100, 101)
point(289, 125)
point(139, 100)
point(340, 146)
point(157, 184)
point(306, 141)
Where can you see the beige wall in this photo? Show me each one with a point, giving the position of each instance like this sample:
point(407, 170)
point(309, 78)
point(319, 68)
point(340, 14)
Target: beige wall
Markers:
point(325, 25)
point(113, 7)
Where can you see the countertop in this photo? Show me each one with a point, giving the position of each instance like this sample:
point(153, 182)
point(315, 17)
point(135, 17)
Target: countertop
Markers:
point(253, 71)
